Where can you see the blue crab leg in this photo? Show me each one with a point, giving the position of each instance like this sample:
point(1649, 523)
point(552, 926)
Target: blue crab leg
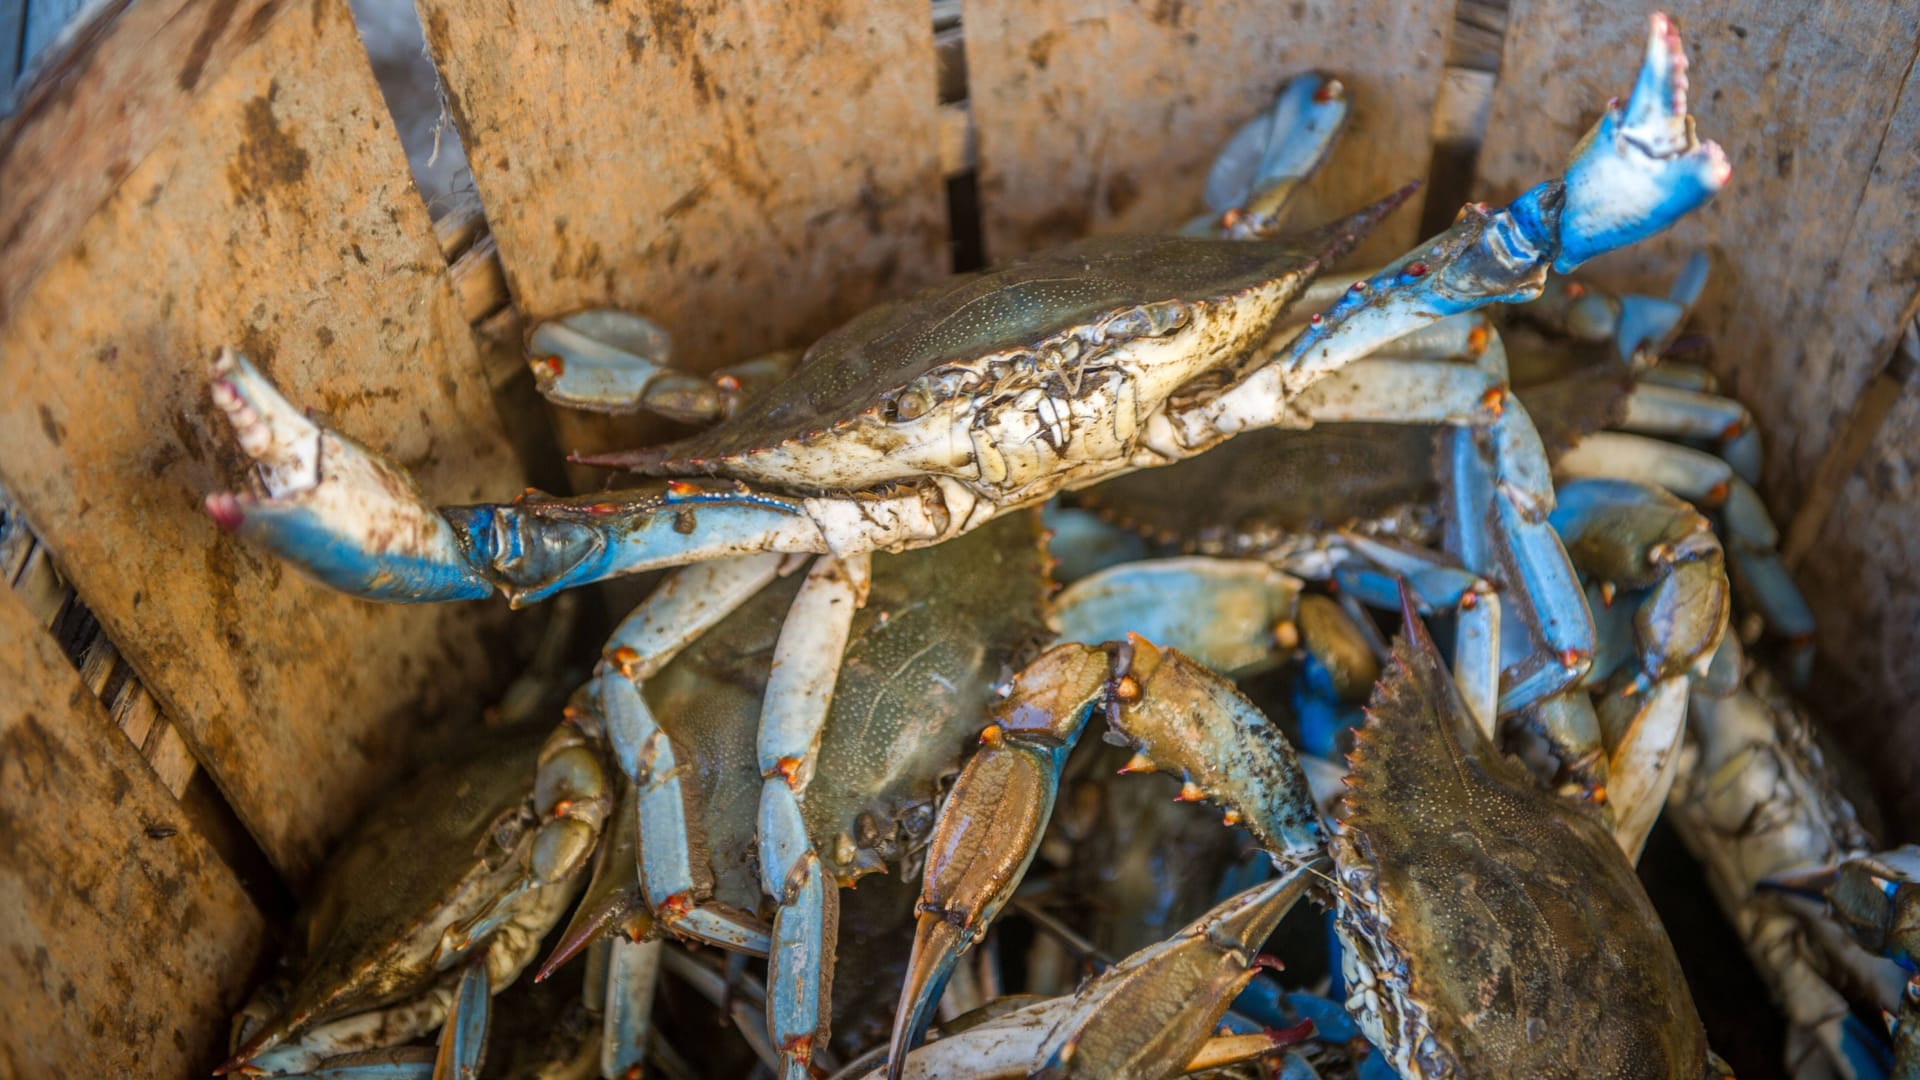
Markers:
point(355, 521)
point(633, 973)
point(806, 664)
point(1659, 559)
point(1707, 481)
point(463, 1040)
point(1675, 413)
point(1514, 543)
point(684, 606)
point(1437, 585)
point(1634, 175)
point(1268, 158)
point(678, 887)
point(1228, 615)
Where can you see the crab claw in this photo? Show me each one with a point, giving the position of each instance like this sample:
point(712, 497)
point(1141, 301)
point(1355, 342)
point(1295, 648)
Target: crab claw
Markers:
point(340, 512)
point(1271, 155)
point(613, 362)
point(991, 825)
point(1641, 168)
point(1875, 898)
point(1160, 1004)
point(1186, 719)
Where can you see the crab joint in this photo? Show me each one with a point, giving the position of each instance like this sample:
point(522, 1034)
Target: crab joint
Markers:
point(1494, 401)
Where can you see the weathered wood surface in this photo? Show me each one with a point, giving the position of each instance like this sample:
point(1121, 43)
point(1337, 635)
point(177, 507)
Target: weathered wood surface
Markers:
point(1862, 576)
point(96, 113)
point(124, 941)
point(1104, 116)
point(747, 175)
point(277, 215)
point(1810, 265)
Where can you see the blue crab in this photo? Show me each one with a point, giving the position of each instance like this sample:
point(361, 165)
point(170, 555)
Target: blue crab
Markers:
point(1432, 809)
point(1760, 801)
point(915, 424)
point(924, 418)
point(496, 844)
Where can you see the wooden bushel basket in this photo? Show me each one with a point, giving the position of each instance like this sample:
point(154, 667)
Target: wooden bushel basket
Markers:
point(191, 174)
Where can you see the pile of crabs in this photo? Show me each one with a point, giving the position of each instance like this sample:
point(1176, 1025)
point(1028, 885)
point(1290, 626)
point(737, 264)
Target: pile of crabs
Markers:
point(1437, 582)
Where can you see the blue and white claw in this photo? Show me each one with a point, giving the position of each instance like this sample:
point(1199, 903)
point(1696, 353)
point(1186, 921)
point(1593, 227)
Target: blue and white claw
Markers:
point(1639, 171)
point(610, 361)
point(1268, 158)
point(342, 513)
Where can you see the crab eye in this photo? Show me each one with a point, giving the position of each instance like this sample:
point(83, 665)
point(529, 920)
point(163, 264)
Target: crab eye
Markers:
point(913, 404)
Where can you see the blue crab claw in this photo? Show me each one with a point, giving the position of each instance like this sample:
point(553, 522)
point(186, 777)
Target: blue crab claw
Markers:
point(1634, 175)
point(1269, 156)
point(355, 521)
point(342, 513)
point(610, 361)
point(992, 823)
point(1641, 169)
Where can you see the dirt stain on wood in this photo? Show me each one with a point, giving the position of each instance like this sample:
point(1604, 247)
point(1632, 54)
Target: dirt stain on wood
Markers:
point(268, 156)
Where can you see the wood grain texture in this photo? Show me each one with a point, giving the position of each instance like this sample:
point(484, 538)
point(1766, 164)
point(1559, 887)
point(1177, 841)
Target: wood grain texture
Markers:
point(276, 215)
point(1812, 243)
point(96, 112)
point(748, 175)
point(125, 942)
point(1105, 116)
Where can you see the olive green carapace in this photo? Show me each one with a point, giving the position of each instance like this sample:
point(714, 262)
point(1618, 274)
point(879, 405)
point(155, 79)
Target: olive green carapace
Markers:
point(1248, 496)
point(370, 931)
point(1510, 937)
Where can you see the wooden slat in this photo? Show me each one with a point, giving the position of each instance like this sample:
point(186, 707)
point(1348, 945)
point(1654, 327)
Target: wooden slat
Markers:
point(276, 215)
point(1862, 576)
point(1104, 116)
point(124, 941)
point(749, 175)
point(96, 112)
point(1808, 274)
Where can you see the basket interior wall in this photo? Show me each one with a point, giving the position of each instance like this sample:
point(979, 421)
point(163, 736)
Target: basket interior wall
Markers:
point(187, 175)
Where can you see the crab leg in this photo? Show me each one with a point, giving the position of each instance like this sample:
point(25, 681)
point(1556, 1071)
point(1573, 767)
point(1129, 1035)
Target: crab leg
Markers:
point(1636, 173)
point(1229, 617)
point(1638, 540)
point(463, 1039)
point(610, 361)
point(1711, 483)
point(356, 522)
point(633, 973)
point(687, 604)
point(1179, 716)
point(1514, 543)
point(1151, 1012)
point(806, 663)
